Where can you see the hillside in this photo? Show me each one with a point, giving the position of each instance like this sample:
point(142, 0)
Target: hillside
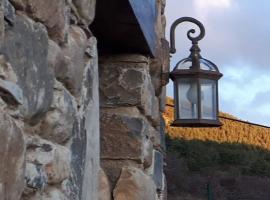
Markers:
point(232, 161)
point(232, 132)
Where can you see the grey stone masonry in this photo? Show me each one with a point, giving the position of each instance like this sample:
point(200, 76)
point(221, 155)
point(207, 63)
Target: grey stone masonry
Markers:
point(49, 101)
point(132, 129)
point(77, 123)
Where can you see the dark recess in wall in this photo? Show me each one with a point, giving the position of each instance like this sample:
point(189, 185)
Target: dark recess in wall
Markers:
point(125, 27)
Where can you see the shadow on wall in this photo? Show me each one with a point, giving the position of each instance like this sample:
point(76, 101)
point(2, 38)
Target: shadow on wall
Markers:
point(232, 171)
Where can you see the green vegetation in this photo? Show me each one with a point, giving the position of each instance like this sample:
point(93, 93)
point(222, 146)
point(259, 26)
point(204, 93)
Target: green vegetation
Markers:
point(200, 155)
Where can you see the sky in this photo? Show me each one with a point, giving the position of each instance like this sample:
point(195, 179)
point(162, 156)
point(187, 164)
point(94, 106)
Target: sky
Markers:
point(237, 40)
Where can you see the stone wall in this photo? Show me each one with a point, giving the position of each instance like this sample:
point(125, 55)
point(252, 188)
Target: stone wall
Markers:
point(55, 98)
point(132, 97)
point(49, 101)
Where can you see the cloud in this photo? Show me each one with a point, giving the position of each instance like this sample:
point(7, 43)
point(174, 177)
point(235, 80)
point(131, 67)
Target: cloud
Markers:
point(237, 40)
point(204, 4)
point(239, 32)
point(204, 7)
point(261, 100)
point(239, 35)
point(249, 113)
point(244, 88)
point(245, 93)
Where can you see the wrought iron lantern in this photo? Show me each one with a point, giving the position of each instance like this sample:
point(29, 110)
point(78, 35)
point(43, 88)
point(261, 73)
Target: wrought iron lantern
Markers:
point(195, 83)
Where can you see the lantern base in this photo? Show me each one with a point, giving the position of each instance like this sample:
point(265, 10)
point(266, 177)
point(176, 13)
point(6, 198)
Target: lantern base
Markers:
point(196, 123)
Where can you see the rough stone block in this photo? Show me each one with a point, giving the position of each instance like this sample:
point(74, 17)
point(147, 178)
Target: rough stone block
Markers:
point(162, 194)
point(165, 55)
point(90, 105)
point(25, 47)
point(163, 5)
point(2, 22)
point(104, 186)
point(155, 112)
point(9, 12)
point(133, 184)
point(162, 99)
point(18, 4)
point(86, 10)
point(122, 85)
point(160, 66)
point(157, 135)
point(54, 14)
point(125, 81)
point(58, 123)
point(156, 170)
point(160, 28)
point(78, 158)
point(154, 136)
point(69, 68)
point(35, 177)
point(162, 134)
point(113, 168)
point(12, 165)
point(55, 56)
point(11, 93)
point(53, 159)
point(149, 138)
point(6, 71)
point(122, 137)
point(52, 193)
point(132, 59)
point(147, 153)
point(85, 147)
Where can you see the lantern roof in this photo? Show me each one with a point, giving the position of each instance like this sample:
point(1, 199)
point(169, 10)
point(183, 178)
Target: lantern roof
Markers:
point(204, 64)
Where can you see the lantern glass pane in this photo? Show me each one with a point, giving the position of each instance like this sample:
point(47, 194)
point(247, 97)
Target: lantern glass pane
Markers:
point(187, 98)
point(207, 65)
point(208, 99)
point(184, 64)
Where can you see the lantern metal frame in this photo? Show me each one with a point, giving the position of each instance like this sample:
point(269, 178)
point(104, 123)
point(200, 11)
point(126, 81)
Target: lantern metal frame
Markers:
point(194, 72)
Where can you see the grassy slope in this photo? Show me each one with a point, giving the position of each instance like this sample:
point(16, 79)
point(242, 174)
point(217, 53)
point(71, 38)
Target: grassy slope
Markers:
point(231, 132)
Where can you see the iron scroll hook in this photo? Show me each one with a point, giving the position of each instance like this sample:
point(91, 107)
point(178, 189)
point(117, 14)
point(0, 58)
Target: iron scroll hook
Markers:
point(191, 31)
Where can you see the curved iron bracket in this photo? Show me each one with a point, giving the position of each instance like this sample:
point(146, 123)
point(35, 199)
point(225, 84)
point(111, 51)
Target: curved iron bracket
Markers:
point(189, 33)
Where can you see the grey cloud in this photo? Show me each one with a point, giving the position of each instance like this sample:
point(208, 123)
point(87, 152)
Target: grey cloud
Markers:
point(232, 34)
point(261, 99)
point(238, 37)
